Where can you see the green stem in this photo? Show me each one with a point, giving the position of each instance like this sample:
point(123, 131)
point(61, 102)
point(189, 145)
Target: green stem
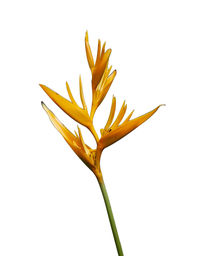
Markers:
point(111, 218)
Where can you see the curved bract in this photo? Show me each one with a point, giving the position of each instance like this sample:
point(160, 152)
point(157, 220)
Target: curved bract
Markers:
point(102, 79)
point(115, 132)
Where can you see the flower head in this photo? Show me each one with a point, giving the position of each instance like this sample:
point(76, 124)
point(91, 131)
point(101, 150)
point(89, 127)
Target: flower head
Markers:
point(102, 78)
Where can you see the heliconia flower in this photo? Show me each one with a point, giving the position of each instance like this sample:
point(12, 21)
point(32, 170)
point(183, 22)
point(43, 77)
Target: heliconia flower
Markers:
point(113, 131)
point(83, 151)
point(101, 77)
point(102, 89)
point(71, 108)
point(101, 62)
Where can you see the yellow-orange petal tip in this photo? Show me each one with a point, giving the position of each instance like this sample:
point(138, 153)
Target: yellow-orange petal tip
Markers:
point(86, 35)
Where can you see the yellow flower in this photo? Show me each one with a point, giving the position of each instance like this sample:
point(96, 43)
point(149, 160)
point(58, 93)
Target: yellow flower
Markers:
point(71, 108)
point(113, 131)
point(76, 142)
point(116, 131)
point(101, 77)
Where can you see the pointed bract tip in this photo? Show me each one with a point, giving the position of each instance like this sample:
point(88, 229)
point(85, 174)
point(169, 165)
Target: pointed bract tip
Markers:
point(162, 105)
point(109, 51)
point(43, 86)
point(86, 35)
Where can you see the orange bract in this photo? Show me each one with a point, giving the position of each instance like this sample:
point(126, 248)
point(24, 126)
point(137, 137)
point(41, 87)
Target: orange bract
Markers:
point(102, 79)
point(115, 132)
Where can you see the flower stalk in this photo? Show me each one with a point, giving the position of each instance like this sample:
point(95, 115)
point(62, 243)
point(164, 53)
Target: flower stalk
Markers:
point(111, 218)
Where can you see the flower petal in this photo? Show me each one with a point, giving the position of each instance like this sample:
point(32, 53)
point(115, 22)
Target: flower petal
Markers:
point(112, 113)
point(81, 94)
point(73, 141)
point(120, 116)
point(128, 117)
point(88, 52)
point(99, 68)
point(124, 129)
point(70, 94)
point(74, 111)
point(85, 148)
point(106, 86)
point(98, 53)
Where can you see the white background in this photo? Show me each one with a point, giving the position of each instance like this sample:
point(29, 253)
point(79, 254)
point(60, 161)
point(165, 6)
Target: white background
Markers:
point(50, 203)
